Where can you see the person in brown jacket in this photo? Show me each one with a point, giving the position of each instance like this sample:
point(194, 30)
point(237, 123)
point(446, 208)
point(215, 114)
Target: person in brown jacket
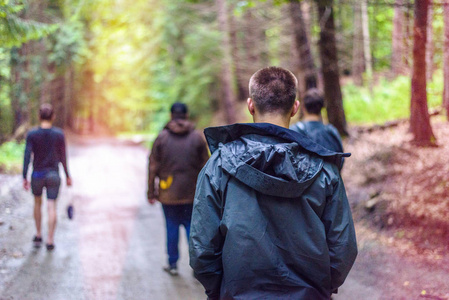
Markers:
point(178, 155)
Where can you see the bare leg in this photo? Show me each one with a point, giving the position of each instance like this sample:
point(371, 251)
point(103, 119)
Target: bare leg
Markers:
point(51, 207)
point(38, 214)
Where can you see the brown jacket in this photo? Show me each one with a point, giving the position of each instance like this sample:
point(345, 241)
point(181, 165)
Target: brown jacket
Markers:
point(178, 155)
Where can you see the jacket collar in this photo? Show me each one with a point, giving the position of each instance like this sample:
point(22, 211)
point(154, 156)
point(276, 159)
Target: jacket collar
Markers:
point(226, 134)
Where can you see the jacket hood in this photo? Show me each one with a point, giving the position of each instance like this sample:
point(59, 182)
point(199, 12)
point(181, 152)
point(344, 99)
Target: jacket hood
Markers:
point(180, 126)
point(272, 160)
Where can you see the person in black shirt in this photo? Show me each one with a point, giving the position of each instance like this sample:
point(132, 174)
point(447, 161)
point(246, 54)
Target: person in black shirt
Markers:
point(47, 144)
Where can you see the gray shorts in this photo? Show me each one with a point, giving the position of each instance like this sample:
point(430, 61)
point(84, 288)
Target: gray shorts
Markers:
point(50, 180)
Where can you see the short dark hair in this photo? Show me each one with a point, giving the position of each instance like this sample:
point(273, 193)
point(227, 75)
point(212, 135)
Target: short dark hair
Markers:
point(273, 89)
point(313, 101)
point(179, 111)
point(46, 112)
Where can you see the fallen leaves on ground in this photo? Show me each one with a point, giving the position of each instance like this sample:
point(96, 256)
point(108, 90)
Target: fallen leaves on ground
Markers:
point(401, 189)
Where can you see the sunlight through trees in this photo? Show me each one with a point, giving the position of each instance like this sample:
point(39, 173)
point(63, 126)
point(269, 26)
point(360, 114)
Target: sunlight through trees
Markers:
point(111, 66)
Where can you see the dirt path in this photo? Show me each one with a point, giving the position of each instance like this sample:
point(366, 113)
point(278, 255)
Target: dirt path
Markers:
point(113, 249)
point(115, 246)
point(400, 195)
point(382, 271)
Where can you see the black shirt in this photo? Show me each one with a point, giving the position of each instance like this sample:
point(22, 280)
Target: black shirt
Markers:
point(48, 148)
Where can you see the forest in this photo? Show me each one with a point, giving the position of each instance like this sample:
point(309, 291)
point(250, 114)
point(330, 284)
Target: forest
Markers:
point(112, 66)
point(112, 69)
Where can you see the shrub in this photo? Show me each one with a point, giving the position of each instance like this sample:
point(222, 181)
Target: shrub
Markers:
point(390, 100)
point(11, 157)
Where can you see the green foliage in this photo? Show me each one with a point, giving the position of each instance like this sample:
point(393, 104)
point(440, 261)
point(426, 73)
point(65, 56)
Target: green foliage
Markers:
point(67, 44)
point(114, 81)
point(5, 111)
point(5, 115)
point(133, 59)
point(381, 26)
point(61, 45)
point(390, 101)
point(11, 157)
point(435, 89)
point(184, 67)
point(15, 31)
point(5, 105)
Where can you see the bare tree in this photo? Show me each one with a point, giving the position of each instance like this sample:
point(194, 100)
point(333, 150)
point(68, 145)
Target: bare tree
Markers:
point(430, 47)
point(398, 46)
point(409, 25)
point(446, 58)
point(419, 115)
point(329, 66)
point(358, 59)
point(18, 68)
point(302, 46)
point(227, 75)
point(366, 44)
point(242, 89)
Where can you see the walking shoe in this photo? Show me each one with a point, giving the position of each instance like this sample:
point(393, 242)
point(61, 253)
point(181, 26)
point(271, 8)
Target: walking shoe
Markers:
point(172, 270)
point(37, 241)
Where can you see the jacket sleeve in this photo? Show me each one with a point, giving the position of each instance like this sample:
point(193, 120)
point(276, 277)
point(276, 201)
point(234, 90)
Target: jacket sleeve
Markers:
point(206, 240)
point(340, 233)
point(153, 168)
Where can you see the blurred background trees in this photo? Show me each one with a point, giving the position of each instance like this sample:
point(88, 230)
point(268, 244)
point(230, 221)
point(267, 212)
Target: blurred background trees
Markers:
point(113, 66)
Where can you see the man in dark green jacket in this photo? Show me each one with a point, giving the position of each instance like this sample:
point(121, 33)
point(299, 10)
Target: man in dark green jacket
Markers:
point(271, 219)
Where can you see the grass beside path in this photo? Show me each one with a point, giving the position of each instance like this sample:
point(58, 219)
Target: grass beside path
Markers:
point(390, 100)
point(11, 157)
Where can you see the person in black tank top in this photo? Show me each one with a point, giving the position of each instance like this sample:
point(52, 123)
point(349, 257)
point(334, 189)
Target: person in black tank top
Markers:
point(47, 144)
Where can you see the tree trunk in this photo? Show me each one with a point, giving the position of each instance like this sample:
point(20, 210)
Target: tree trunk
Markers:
point(307, 11)
point(69, 97)
point(446, 58)
point(26, 78)
point(252, 46)
point(408, 34)
point(20, 86)
point(419, 115)
point(242, 89)
point(302, 45)
point(329, 67)
point(358, 59)
point(367, 45)
point(91, 95)
point(15, 91)
point(429, 44)
point(397, 55)
point(44, 96)
point(56, 89)
point(226, 76)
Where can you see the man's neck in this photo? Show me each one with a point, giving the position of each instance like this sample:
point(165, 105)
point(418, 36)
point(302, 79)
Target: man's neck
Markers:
point(310, 118)
point(46, 124)
point(272, 119)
